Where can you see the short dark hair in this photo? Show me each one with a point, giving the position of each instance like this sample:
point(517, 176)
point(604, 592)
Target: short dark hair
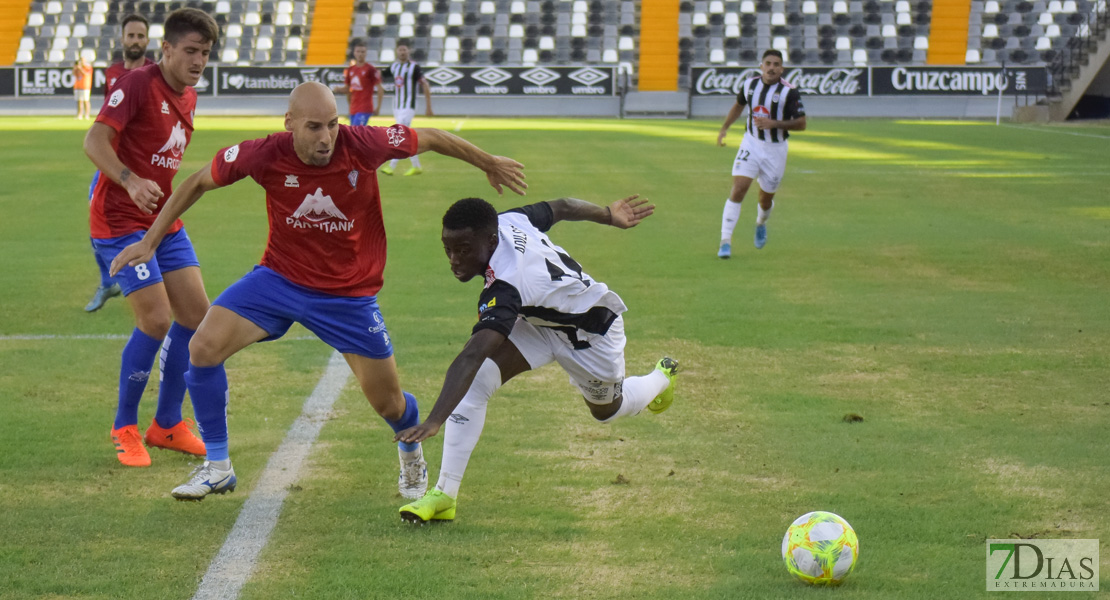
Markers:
point(358, 43)
point(771, 52)
point(471, 213)
point(184, 21)
point(132, 18)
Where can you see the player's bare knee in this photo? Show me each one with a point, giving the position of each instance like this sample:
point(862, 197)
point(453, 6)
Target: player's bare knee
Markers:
point(204, 350)
point(387, 406)
point(604, 412)
point(155, 324)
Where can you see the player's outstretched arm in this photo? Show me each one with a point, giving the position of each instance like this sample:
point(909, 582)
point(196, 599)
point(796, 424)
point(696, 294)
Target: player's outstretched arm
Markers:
point(460, 375)
point(500, 170)
point(98, 147)
point(182, 198)
point(730, 118)
point(624, 213)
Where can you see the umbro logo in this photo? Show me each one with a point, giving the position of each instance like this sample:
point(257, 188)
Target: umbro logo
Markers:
point(165, 107)
point(291, 181)
point(458, 419)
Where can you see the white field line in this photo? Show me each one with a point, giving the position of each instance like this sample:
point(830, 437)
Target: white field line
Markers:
point(1057, 130)
point(236, 560)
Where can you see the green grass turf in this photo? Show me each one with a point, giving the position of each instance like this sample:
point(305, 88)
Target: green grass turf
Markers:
point(946, 281)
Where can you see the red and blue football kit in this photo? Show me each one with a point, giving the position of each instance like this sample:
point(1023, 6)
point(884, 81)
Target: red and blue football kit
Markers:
point(360, 81)
point(153, 125)
point(326, 228)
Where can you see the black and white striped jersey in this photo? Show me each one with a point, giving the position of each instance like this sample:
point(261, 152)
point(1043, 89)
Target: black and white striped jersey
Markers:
point(780, 101)
point(405, 76)
point(528, 275)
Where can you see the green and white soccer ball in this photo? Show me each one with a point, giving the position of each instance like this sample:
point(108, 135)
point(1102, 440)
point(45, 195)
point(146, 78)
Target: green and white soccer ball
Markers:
point(820, 548)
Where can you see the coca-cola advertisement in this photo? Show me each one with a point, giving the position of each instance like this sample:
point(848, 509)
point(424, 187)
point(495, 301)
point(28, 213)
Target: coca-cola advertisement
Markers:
point(810, 81)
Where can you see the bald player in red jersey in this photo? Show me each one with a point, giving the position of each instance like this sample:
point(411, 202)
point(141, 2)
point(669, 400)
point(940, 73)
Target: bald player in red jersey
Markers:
point(322, 266)
point(137, 142)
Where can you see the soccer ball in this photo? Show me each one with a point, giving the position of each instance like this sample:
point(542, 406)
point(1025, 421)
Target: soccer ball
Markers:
point(820, 548)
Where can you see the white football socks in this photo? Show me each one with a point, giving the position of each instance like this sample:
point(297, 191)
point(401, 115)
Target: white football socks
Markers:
point(415, 161)
point(729, 218)
point(638, 392)
point(762, 215)
point(464, 427)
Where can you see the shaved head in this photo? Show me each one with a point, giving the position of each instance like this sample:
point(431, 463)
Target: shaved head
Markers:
point(314, 121)
point(310, 97)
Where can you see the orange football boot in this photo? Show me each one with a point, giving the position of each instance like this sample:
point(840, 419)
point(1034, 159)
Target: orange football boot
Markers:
point(178, 438)
point(129, 446)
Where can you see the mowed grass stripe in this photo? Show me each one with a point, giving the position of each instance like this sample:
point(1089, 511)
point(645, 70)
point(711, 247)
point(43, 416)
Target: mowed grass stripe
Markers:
point(916, 275)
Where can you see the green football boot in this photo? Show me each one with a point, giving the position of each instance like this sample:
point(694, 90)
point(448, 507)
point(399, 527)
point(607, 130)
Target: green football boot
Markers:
point(434, 506)
point(669, 367)
point(387, 170)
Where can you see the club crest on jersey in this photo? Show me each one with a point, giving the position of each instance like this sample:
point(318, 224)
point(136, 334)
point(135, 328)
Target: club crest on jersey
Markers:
point(165, 107)
point(353, 178)
point(318, 211)
point(116, 99)
point(775, 98)
point(396, 134)
point(175, 145)
point(291, 181)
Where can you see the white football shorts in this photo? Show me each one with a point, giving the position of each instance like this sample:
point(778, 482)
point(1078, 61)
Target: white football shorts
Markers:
point(403, 115)
point(763, 161)
point(597, 371)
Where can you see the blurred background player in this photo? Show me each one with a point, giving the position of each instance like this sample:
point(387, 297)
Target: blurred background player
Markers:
point(137, 142)
point(774, 109)
point(82, 86)
point(134, 28)
point(406, 74)
point(538, 306)
point(323, 264)
point(361, 80)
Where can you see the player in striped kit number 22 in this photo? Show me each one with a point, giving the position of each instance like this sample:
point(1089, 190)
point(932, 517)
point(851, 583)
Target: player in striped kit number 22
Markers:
point(774, 109)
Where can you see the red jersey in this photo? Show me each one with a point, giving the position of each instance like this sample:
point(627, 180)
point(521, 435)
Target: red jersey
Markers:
point(153, 126)
point(114, 72)
point(360, 80)
point(326, 228)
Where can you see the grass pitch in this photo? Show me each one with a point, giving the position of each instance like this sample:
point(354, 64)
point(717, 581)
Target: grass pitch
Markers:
point(945, 281)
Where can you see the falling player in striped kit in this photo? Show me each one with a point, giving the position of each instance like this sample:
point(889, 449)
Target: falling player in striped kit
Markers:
point(774, 109)
point(538, 306)
point(406, 74)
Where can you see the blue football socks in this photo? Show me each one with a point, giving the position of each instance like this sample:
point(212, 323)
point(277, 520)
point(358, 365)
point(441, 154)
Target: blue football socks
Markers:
point(137, 359)
point(208, 389)
point(411, 418)
point(173, 361)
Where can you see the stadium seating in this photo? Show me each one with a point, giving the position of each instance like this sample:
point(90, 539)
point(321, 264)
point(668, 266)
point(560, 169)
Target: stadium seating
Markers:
point(510, 32)
point(555, 32)
point(1023, 31)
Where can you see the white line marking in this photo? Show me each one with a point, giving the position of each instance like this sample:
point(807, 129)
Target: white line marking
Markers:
point(236, 560)
point(1057, 130)
point(458, 127)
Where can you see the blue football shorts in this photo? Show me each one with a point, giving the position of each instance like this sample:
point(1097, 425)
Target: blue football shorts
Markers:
point(175, 252)
point(350, 324)
point(360, 118)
